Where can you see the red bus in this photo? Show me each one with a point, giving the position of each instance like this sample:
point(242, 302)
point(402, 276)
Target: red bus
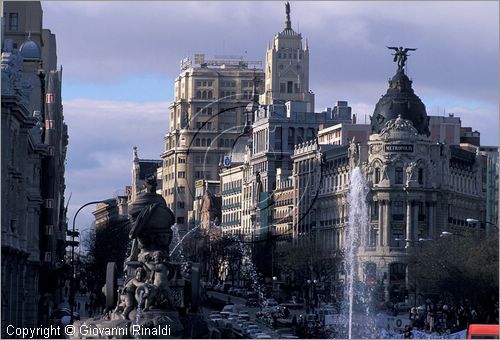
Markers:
point(478, 331)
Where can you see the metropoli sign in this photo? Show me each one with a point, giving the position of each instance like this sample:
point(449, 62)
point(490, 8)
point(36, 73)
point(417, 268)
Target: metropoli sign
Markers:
point(398, 148)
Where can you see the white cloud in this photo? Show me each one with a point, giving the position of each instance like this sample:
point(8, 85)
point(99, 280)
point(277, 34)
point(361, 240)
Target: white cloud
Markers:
point(101, 135)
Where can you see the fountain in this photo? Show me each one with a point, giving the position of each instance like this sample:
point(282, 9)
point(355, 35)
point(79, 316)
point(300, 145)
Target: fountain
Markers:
point(358, 221)
point(180, 240)
point(157, 293)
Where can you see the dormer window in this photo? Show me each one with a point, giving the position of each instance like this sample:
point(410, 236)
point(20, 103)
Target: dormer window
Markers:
point(421, 176)
point(398, 175)
point(377, 176)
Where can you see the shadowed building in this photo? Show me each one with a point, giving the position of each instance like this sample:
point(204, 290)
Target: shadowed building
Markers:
point(34, 142)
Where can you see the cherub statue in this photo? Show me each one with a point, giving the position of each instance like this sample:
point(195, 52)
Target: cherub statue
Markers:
point(130, 289)
point(161, 277)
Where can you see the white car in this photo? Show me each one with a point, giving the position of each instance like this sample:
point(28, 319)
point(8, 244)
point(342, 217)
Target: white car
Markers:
point(270, 303)
point(252, 332)
point(262, 336)
point(244, 315)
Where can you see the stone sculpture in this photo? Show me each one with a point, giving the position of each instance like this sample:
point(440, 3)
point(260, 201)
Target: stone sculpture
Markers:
point(155, 290)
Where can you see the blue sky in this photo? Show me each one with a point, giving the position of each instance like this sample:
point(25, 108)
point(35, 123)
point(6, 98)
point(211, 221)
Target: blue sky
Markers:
point(120, 59)
point(139, 87)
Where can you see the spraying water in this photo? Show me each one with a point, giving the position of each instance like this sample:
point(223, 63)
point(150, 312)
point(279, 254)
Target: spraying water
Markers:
point(358, 222)
point(175, 229)
point(139, 308)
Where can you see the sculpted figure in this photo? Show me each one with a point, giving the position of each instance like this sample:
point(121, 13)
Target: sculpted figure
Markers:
point(401, 55)
point(130, 289)
point(410, 172)
point(354, 152)
point(151, 220)
point(161, 277)
point(159, 287)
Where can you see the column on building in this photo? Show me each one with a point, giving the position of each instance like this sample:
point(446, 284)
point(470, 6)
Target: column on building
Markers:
point(409, 220)
point(387, 220)
point(380, 240)
point(431, 219)
point(415, 222)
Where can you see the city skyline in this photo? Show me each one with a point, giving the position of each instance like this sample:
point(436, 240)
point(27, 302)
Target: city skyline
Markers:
point(132, 83)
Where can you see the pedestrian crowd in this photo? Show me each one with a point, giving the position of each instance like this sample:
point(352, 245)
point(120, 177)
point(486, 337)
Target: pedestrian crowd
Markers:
point(446, 318)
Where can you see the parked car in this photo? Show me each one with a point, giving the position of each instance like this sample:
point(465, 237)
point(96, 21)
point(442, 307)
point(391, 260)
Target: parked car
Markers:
point(270, 303)
point(252, 329)
point(244, 315)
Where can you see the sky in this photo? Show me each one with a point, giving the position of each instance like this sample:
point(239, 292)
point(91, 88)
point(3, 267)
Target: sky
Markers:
point(120, 60)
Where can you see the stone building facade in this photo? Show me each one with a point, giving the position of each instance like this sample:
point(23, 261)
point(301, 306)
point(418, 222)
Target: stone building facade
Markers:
point(206, 117)
point(34, 142)
point(418, 188)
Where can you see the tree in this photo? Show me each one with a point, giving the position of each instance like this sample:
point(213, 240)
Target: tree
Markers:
point(461, 267)
point(305, 261)
point(106, 244)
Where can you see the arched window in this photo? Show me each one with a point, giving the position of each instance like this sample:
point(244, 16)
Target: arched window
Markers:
point(204, 95)
point(203, 142)
point(198, 94)
point(209, 94)
point(209, 141)
point(197, 142)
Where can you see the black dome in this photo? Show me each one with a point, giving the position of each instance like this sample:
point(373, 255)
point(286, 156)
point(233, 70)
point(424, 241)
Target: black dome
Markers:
point(400, 100)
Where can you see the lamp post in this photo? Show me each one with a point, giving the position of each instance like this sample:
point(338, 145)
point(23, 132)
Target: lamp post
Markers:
point(474, 221)
point(74, 234)
point(445, 234)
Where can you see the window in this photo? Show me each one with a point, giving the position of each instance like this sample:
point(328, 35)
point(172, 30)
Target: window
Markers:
point(181, 174)
point(377, 176)
point(13, 21)
point(399, 175)
point(420, 176)
point(181, 189)
point(375, 209)
point(282, 87)
point(289, 87)
point(180, 205)
point(398, 212)
point(197, 142)
point(182, 160)
point(198, 94)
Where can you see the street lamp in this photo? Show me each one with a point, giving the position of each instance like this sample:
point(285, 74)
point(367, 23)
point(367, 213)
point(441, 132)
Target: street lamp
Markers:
point(448, 234)
point(474, 221)
point(73, 234)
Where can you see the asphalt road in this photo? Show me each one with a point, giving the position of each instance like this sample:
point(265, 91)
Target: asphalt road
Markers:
point(240, 305)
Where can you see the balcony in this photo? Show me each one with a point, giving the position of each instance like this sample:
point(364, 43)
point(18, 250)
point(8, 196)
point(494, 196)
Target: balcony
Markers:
point(231, 206)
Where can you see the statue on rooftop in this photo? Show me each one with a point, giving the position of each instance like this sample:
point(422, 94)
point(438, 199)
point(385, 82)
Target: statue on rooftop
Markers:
point(401, 55)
